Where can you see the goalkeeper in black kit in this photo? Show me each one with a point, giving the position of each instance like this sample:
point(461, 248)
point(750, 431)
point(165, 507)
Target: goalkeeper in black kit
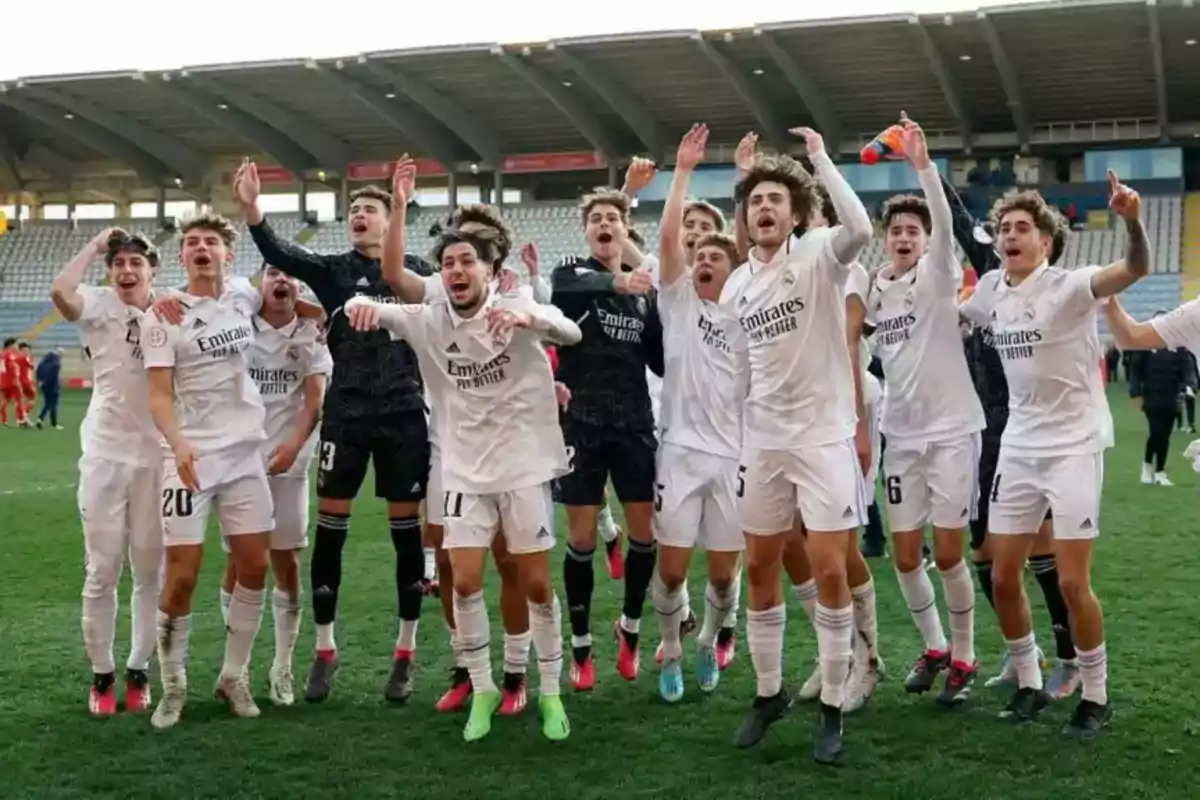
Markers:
point(987, 372)
point(374, 412)
point(608, 425)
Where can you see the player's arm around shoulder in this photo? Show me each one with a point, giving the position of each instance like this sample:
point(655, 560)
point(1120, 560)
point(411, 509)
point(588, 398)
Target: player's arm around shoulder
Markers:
point(402, 321)
point(978, 307)
point(547, 321)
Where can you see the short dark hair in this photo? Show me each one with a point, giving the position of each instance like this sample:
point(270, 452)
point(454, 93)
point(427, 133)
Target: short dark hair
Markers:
point(22, 345)
point(828, 211)
point(209, 221)
point(1048, 219)
point(705, 207)
point(9, 342)
point(723, 241)
point(487, 216)
point(907, 204)
point(485, 242)
point(372, 193)
point(120, 241)
point(605, 196)
point(784, 170)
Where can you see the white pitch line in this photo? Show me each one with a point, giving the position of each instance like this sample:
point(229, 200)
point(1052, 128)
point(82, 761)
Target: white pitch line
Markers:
point(57, 487)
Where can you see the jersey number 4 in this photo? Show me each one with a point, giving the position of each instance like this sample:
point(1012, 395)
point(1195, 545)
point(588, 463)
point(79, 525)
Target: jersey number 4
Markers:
point(177, 502)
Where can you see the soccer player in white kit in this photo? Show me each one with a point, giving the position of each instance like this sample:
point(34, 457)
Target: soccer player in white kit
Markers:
point(290, 365)
point(799, 421)
point(121, 466)
point(210, 415)
point(705, 383)
point(931, 418)
point(1179, 328)
point(482, 357)
point(1043, 322)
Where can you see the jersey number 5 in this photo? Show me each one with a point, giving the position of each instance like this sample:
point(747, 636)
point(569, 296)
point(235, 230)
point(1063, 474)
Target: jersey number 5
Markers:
point(177, 502)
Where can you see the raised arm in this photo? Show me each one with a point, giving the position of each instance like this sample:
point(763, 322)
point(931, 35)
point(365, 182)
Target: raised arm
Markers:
point(982, 255)
point(743, 159)
point(854, 230)
point(299, 262)
point(1128, 333)
point(941, 240)
point(64, 290)
point(671, 258)
point(1120, 275)
point(407, 284)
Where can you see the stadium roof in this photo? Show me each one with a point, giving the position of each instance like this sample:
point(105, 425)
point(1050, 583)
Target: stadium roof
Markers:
point(1075, 72)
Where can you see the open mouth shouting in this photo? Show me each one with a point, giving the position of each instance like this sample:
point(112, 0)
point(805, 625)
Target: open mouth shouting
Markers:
point(359, 226)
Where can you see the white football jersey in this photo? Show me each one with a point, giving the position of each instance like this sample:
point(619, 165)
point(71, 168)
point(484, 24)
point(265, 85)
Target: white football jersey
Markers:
point(706, 375)
point(930, 395)
point(792, 312)
point(496, 407)
point(216, 402)
point(1045, 332)
point(858, 284)
point(281, 360)
point(1181, 328)
point(117, 425)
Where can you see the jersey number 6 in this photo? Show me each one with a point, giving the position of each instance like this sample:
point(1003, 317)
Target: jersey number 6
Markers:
point(894, 495)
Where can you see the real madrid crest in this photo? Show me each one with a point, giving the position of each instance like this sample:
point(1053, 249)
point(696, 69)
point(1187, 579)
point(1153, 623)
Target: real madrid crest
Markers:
point(641, 304)
point(293, 354)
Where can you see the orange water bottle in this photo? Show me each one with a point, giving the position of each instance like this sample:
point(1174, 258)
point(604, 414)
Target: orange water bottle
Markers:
point(887, 145)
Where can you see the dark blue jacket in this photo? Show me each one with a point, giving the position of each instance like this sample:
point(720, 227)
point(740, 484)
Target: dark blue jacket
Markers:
point(48, 370)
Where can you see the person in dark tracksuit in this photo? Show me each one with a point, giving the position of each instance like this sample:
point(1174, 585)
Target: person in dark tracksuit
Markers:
point(1156, 379)
point(988, 375)
point(48, 372)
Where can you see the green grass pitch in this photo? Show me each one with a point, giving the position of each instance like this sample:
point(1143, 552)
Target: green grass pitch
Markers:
point(625, 742)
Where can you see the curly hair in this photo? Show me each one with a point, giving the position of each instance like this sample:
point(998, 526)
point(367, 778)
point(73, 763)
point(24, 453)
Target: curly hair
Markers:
point(788, 172)
point(209, 221)
point(1048, 220)
point(120, 241)
point(827, 210)
point(485, 241)
point(723, 241)
point(486, 216)
point(604, 196)
point(907, 204)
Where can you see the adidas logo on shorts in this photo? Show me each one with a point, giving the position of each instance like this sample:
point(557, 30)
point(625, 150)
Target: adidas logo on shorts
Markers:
point(1087, 525)
point(543, 533)
point(453, 348)
point(849, 512)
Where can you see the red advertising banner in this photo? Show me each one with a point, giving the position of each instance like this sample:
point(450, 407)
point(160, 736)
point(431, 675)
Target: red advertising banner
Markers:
point(382, 170)
point(554, 162)
point(273, 173)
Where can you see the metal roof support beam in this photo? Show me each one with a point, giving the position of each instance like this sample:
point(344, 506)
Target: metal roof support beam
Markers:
point(571, 107)
point(435, 142)
point(90, 134)
point(1008, 77)
point(812, 97)
point(187, 162)
point(289, 154)
point(772, 125)
point(330, 153)
point(1160, 73)
point(478, 135)
point(10, 176)
point(58, 166)
point(631, 110)
point(945, 79)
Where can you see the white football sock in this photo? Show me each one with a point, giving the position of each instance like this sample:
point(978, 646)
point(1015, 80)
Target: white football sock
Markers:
point(99, 617)
point(287, 612)
point(516, 651)
point(719, 606)
point(325, 637)
point(1023, 654)
point(1093, 668)
point(865, 621)
point(245, 617)
point(735, 601)
point(960, 602)
point(806, 593)
point(226, 599)
point(406, 639)
point(474, 636)
point(545, 627)
point(630, 625)
point(922, 604)
point(670, 606)
point(146, 569)
point(605, 524)
point(430, 563)
point(835, 646)
point(455, 648)
point(172, 646)
point(764, 635)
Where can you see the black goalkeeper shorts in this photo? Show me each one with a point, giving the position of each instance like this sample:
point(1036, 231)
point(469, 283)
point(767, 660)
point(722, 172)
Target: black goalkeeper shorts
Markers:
point(398, 445)
point(597, 454)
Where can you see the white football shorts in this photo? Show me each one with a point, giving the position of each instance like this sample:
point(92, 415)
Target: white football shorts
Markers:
point(1026, 487)
point(472, 520)
point(936, 483)
point(823, 482)
point(695, 500)
point(236, 483)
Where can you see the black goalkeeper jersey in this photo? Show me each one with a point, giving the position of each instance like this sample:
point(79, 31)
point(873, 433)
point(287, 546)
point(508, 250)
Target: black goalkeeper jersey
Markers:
point(373, 376)
point(622, 338)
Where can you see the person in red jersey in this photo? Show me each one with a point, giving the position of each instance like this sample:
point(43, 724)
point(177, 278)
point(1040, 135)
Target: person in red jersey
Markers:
point(10, 389)
point(25, 378)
